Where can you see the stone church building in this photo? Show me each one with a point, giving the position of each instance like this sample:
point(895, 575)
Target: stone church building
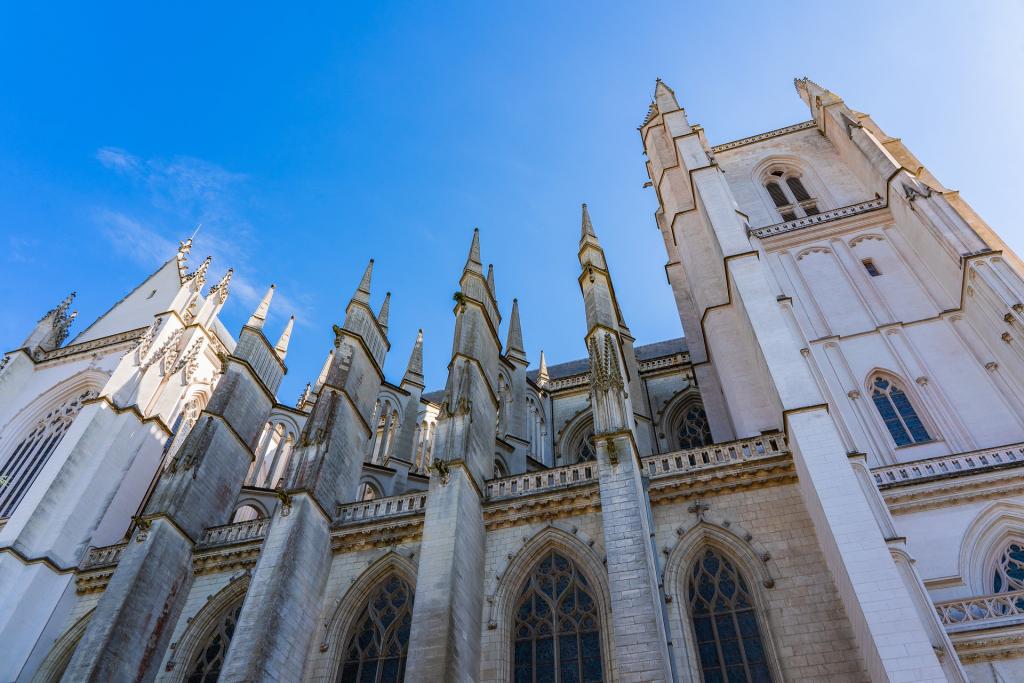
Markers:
point(824, 481)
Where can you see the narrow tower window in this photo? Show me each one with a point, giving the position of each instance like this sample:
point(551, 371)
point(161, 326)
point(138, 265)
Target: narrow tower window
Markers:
point(898, 414)
point(790, 196)
point(870, 266)
point(728, 637)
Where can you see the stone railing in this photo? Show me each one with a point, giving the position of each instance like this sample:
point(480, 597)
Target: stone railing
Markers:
point(663, 362)
point(568, 382)
point(762, 136)
point(381, 507)
point(239, 532)
point(105, 556)
point(545, 480)
point(949, 464)
point(823, 217)
point(713, 456)
point(982, 612)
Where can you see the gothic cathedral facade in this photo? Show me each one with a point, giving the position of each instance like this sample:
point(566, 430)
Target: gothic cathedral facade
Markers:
point(824, 480)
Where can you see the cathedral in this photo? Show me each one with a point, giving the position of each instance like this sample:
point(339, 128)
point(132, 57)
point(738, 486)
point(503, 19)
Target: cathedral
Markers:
point(822, 481)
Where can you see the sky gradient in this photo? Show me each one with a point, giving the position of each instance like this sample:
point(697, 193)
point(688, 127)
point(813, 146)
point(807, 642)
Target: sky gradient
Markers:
point(308, 140)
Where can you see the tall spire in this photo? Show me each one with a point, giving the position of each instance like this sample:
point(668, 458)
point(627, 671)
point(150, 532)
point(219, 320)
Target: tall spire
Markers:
point(473, 260)
point(490, 281)
point(259, 316)
point(281, 348)
point(515, 331)
point(362, 294)
point(385, 309)
point(587, 234)
point(414, 371)
point(665, 97)
point(542, 374)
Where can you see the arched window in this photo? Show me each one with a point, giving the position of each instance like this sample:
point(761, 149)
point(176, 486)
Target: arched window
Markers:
point(726, 631)
point(790, 196)
point(499, 469)
point(246, 513)
point(557, 631)
point(30, 454)
point(368, 491)
point(187, 417)
point(577, 445)
point(379, 642)
point(898, 414)
point(206, 666)
point(585, 451)
point(691, 429)
point(1009, 572)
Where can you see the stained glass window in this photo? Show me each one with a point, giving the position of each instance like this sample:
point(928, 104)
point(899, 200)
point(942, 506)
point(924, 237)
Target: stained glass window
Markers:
point(379, 643)
point(1009, 574)
point(898, 414)
point(693, 430)
point(729, 643)
point(585, 448)
point(557, 630)
point(208, 663)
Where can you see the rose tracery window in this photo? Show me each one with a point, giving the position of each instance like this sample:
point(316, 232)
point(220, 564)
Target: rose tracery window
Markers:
point(209, 661)
point(556, 631)
point(897, 412)
point(1009, 572)
point(726, 631)
point(693, 430)
point(379, 644)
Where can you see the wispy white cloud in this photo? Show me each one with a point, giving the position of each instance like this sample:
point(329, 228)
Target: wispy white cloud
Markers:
point(21, 249)
point(187, 191)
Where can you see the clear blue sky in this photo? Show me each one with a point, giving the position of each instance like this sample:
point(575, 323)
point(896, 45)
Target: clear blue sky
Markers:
point(308, 139)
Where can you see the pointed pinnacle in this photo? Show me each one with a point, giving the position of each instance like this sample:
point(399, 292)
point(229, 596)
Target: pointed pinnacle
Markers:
point(473, 260)
point(665, 97)
point(65, 304)
point(281, 348)
point(490, 280)
point(586, 227)
point(542, 374)
point(414, 371)
point(259, 316)
point(515, 330)
point(362, 294)
point(385, 309)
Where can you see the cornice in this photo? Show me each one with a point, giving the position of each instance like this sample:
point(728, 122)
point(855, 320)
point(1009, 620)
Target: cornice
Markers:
point(381, 532)
point(760, 137)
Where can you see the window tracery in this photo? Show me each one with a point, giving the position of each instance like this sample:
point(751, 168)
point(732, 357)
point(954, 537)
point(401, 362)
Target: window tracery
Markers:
point(897, 412)
point(31, 453)
point(208, 662)
point(379, 644)
point(1009, 571)
point(692, 430)
point(556, 628)
point(725, 625)
point(790, 196)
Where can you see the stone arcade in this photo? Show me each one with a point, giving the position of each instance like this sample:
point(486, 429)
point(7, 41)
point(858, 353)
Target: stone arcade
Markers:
point(823, 481)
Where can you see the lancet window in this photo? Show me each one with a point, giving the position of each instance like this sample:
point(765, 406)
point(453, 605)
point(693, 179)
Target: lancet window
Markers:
point(691, 428)
point(725, 625)
point(183, 423)
point(379, 644)
point(1009, 571)
point(273, 456)
point(31, 452)
point(557, 629)
point(208, 662)
point(790, 196)
point(897, 412)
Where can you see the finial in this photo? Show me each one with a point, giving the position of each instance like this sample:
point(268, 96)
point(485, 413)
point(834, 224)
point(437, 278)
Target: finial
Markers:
point(542, 374)
point(221, 288)
point(259, 316)
point(586, 227)
point(281, 348)
point(414, 371)
point(515, 331)
point(362, 294)
point(385, 308)
point(490, 280)
point(473, 260)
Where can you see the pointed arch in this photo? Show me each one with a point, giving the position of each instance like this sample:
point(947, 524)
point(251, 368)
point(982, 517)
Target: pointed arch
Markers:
point(56, 662)
point(510, 585)
point(899, 409)
point(986, 539)
point(684, 422)
point(204, 625)
point(577, 442)
point(342, 620)
point(740, 552)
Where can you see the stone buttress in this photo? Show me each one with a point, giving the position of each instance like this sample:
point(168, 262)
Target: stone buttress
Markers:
point(132, 624)
point(447, 616)
point(279, 615)
point(638, 629)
